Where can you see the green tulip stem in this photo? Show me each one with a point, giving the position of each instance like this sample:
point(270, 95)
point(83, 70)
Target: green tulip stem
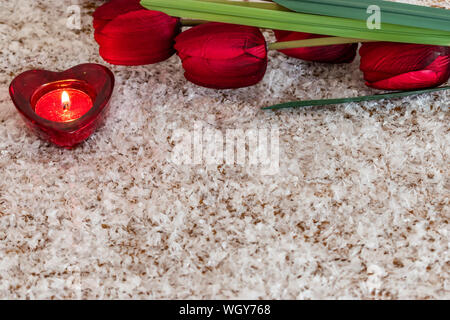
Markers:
point(377, 97)
point(191, 22)
point(328, 41)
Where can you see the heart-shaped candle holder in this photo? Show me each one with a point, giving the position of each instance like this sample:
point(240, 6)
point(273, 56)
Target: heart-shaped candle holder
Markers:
point(92, 82)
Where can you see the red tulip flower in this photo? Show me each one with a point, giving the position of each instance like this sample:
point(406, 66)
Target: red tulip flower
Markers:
point(129, 34)
point(223, 56)
point(398, 66)
point(342, 53)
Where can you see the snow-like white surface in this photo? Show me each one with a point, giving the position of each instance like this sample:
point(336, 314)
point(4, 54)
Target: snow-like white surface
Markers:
point(359, 208)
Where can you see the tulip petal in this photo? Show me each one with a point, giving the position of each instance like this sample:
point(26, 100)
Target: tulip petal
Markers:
point(434, 75)
point(396, 58)
point(220, 40)
point(398, 66)
point(241, 66)
point(113, 9)
point(227, 81)
point(225, 74)
point(137, 38)
point(223, 56)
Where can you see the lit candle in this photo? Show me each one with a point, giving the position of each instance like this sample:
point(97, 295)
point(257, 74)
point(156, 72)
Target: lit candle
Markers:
point(63, 105)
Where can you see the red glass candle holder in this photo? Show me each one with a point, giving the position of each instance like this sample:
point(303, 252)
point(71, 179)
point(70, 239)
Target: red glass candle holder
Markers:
point(91, 84)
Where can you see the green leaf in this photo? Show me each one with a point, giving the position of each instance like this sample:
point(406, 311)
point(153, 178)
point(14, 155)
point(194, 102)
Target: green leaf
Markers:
point(391, 12)
point(324, 102)
point(273, 16)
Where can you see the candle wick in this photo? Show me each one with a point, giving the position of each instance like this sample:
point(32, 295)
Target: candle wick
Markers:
point(65, 100)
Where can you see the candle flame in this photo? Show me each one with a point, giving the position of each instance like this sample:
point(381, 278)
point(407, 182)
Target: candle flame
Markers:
point(65, 100)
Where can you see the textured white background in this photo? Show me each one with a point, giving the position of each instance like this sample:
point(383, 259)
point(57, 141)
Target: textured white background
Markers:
point(359, 209)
